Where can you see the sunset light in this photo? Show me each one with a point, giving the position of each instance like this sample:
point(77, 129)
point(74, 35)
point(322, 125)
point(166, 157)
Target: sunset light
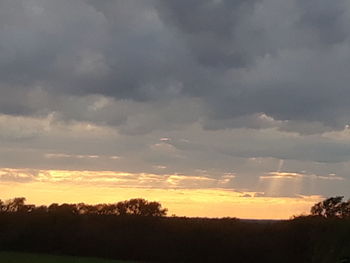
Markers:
point(175, 130)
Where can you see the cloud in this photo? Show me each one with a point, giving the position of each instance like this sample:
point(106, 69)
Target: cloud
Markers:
point(230, 159)
point(18, 175)
point(112, 178)
point(199, 88)
point(288, 58)
point(241, 59)
point(296, 176)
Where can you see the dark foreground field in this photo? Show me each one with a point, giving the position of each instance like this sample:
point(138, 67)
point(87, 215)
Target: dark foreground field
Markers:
point(13, 257)
point(162, 239)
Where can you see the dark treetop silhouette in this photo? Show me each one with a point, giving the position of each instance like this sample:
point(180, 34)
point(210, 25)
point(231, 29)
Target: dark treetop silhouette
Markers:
point(332, 207)
point(137, 207)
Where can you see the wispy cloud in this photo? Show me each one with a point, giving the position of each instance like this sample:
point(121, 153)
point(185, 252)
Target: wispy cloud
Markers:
point(78, 156)
point(296, 176)
point(114, 179)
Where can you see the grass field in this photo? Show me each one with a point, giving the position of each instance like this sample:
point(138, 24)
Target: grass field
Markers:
point(13, 257)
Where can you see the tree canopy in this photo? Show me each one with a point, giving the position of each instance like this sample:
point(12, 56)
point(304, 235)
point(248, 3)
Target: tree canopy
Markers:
point(333, 207)
point(135, 207)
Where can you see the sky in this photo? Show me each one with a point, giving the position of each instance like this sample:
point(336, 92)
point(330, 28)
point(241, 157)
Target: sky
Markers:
point(213, 107)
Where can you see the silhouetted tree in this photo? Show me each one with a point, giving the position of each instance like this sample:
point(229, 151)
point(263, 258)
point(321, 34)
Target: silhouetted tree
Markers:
point(154, 209)
point(2, 206)
point(85, 209)
point(15, 205)
point(332, 207)
point(40, 209)
point(141, 207)
point(107, 209)
point(122, 208)
point(65, 209)
point(137, 207)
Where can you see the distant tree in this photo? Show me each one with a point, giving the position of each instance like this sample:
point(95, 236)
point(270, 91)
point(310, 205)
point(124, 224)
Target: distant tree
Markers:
point(64, 209)
point(107, 209)
point(53, 208)
point(40, 209)
point(154, 209)
point(2, 206)
point(122, 208)
point(15, 205)
point(85, 209)
point(137, 207)
point(332, 207)
point(140, 207)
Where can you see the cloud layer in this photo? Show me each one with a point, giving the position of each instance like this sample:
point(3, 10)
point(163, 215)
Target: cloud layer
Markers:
point(194, 88)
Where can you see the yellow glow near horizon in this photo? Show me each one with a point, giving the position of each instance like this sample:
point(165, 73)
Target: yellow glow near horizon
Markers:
point(107, 187)
point(184, 202)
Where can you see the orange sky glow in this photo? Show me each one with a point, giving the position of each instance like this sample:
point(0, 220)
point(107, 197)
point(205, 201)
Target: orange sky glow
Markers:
point(194, 200)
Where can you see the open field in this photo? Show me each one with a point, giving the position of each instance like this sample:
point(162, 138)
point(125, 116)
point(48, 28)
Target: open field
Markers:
point(13, 257)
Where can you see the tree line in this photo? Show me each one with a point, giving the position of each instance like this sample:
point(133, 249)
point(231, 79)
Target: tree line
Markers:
point(101, 231)
point(135, 207)
point(333, 207)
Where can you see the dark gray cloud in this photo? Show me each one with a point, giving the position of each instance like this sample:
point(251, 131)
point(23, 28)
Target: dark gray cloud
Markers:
point(290, 57)
point(287, 60)
point(209, 28)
